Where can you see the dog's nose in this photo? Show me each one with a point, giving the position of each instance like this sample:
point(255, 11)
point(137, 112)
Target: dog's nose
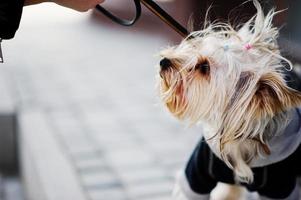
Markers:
point(165, 63)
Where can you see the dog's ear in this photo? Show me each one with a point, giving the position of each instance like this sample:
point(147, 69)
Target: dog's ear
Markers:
point(274, 96)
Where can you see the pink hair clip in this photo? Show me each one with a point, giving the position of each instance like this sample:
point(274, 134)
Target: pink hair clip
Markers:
point(248, 46)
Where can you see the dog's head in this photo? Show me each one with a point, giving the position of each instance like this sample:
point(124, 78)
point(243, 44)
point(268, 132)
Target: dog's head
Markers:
point(230, 79)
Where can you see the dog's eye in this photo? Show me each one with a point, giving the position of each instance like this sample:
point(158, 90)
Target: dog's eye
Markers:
point(203, 68)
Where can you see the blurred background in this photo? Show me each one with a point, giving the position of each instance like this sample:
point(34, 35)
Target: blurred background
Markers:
point(80, 117)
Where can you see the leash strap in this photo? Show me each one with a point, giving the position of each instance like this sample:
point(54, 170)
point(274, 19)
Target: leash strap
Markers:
point(154, 8)
point(164, 16)
point(118, 20)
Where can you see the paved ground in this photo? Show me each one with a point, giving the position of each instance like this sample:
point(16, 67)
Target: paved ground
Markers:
point(94, 83)
point(10, 188)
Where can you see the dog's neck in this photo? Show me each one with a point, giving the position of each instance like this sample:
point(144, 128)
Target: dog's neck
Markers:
point(281, 141)
point(284, 144)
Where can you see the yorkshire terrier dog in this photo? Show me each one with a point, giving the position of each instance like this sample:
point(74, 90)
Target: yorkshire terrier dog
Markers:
point(230, 80)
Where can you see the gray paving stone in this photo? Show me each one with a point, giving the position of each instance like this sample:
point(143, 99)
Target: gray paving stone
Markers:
point(142, 175)
point(13, 189)
point(71, 134)
point(7, 104)
point(129, 158)
point(89, 163)
point(99, 179)
point(81, 149)
point(47, 171)
point(113, 193)
point(151, 189)
point(1, 188)
point(161, 197)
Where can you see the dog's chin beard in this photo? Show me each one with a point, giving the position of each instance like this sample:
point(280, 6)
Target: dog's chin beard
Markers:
point(177, 106)
point(172, 94)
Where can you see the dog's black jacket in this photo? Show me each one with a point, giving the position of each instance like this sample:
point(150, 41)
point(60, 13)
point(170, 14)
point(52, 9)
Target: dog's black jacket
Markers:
point(10, 16)
point(278, 180)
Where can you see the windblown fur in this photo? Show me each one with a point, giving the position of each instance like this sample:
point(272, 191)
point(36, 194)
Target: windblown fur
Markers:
point(242, 99)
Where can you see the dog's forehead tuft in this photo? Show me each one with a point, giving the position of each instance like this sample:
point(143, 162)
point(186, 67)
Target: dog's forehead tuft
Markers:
point(210, 44)
point(199, 47)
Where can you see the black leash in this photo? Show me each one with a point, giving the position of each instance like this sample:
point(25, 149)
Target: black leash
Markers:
point(153, 7)
point(118, 20)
